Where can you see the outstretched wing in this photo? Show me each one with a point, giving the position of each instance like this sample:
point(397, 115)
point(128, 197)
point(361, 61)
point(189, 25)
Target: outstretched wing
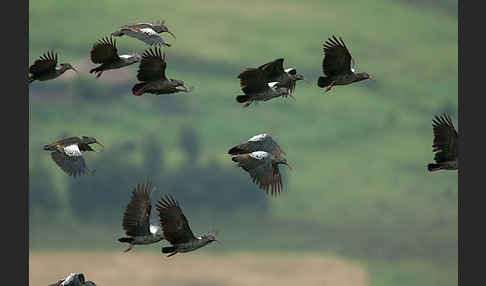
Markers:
point(174, 223)
point(45, 64)
point(145, 33)
point(104, 51)
point(445, 139)
point(136, 219)
point(152, 66)
point(337, 59)
point(71, 161)
point(252, 80)
point(265, 174)
point(260, 142)
point(273, 70)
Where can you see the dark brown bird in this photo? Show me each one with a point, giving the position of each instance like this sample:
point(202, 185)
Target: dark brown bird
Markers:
point(263, 169)
point(67, 154)
point(151, 73)
point(136, 219)
point(176, 228)
point(105, 52)
point(338, 66)
point(46, 68)
point(256, 88)
point(260, 142)
point(74, 279)
point(445, 144)
point(146, 32)
point(274, 72)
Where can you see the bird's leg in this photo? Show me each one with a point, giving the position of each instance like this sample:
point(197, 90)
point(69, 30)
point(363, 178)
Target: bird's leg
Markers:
point(247, 104)
point(173, 253)
point(98, 74)
point(139, 92)
point(128, 249)
point(329, 87)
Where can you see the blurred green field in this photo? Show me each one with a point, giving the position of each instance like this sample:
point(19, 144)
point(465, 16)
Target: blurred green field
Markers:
point(359, 187)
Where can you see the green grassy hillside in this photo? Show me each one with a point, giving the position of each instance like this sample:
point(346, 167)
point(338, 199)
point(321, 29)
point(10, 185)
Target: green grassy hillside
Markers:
point(359, 185)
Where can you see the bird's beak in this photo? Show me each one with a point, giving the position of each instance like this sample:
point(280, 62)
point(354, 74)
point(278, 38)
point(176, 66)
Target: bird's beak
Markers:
point(171, 34)
point(74, 69)
point(218, 241)
point(99, 143)
point(288, 165)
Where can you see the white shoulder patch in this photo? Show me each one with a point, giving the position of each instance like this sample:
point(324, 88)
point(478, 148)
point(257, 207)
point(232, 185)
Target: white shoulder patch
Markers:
point(272, 84)
point(72, 150)
point(259, 155)
point(148, 31)
point(258, 137)
point(154, 229)
point(69, 279)
point(289, 70)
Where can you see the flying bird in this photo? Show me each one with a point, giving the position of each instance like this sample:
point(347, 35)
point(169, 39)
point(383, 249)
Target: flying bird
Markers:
point(66, 153)
point(176, 228)
point(74, 279)
point(146, 32)
point(263, 169)
point(105, 52)
point(151, 73)
point(445, 144)
point(253, 83)
point(136, 219)
point(338, 66)
point(260, 142)
point(46, 68)
point(274, 72)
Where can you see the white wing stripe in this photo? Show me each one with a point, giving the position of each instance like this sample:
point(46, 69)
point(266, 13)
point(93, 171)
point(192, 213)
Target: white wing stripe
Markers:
point(72, 150)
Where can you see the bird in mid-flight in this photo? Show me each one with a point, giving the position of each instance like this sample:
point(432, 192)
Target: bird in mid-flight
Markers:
point(176, 228)
point(74, 279)
point(145, 32)
point(338, 66)
point(274, 72)
point(46, 68)
point(136, 219)
point(66, 153)
point(260, 157)
point(253, 83)
point(445, 144)
point(105, 52)
point(151, 73)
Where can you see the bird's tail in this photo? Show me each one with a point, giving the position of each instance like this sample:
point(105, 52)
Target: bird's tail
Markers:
point(168, 249)
point(117, 33)
point(126, 239)
point(433, 167)
point(242, 98)
point(323, 81)
point(137, 89)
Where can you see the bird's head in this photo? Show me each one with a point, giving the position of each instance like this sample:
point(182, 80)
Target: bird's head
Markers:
point(362, 76)
point(162, 28)
point(210, 237)
point(91, 140)
point(296, 76)
point(67, 66)
point(180, 83)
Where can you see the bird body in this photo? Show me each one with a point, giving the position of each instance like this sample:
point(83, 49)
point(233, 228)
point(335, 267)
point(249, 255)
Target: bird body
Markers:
point(151, 73)
point(176, 228)
point(46, 68)
point(260, 142)
point(67, 154)
point(256, 88)
point(274, 72)
point(146, 32)
point(338, 66)
point(105, 52)
point(445, 144)
point(74, 279)
point(263, 169)
point(136, 219)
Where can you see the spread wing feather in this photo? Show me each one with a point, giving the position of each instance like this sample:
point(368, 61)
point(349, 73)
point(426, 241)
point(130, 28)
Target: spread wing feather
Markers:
point(45, 64)
point(104, 51)
point(152, 66)
point(136, 219)
point(445, 139)
point(174, 224)
point(337, 59)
